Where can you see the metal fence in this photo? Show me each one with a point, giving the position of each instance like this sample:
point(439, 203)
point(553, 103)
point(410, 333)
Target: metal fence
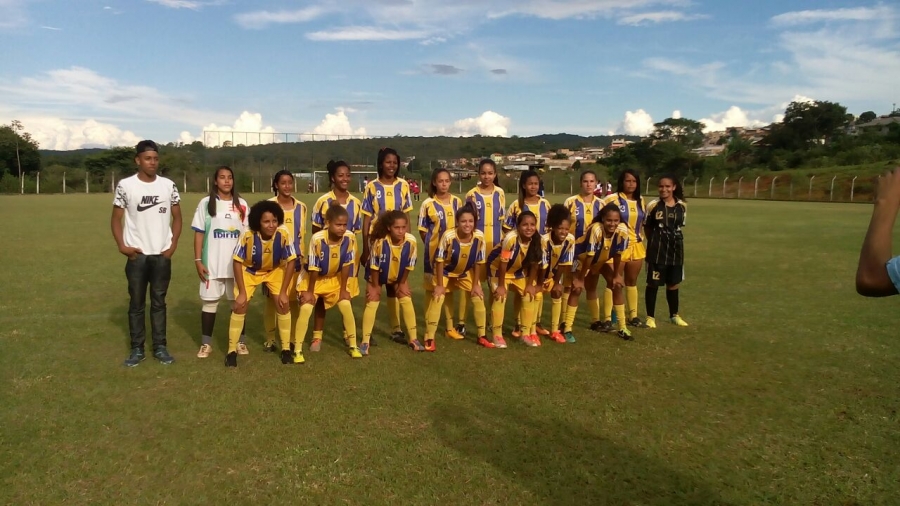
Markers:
point(817, 188)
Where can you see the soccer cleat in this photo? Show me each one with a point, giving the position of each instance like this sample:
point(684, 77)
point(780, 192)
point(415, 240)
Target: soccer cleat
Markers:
point(429, 345)
point(231, 359)
point(298, 357)
point(204, 351)
point(354, 352)
point(541, 331)
point(557, 336)
point(242, 349)
point(372, 341)
point(364, 349)
point(570, 338)
point(625, 334)
point(454, 334)
point(636, 323)
point(415, 345)
point(516, 334)
point(650, 323)
point(530, 340)
point(136, 357)
point(461, 328)
point(482, 341)
point(316, 345)
point(676, 320)
point(597, 326)
point(162, 354)
point(398, 337)
point(287, 357)
point(536, 339)
point(499, 342)
point(270, 347)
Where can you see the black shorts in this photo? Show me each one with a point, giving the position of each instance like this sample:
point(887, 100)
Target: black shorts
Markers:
point(668, 275)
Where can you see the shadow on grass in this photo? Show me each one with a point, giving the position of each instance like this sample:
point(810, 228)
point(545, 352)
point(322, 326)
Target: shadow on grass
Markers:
point(562, 463)
point(118, 318)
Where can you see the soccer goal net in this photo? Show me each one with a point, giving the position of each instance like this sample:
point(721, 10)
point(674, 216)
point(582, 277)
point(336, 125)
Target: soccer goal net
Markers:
point(358, 180)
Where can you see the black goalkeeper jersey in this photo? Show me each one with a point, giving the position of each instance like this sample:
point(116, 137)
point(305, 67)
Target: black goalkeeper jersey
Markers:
point(665, 241)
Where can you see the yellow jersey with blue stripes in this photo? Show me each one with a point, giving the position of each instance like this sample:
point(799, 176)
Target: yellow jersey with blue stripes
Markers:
point(458, 257)
point(390, 260)
point(557, 256)
point(259, 255)
point(512, 251)
point(602, 248)
point(490, 209)
point(353, 207)
point(539, 208)
point(379, 198)
point(633, 214)
point(295, 221)
point(582, 213)
point(329, 258)
point(435, 219)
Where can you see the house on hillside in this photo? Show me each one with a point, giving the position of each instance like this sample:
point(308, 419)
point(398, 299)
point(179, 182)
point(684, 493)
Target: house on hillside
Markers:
point(880, 125)
point(497, 157)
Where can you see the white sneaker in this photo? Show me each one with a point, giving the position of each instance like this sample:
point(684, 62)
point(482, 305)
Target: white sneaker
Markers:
point(242, 349)
point(204, 351)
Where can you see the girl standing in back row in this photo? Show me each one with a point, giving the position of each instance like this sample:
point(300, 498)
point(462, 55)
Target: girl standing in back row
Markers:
point(489, 202)
point(633, 209)
point(582, 209)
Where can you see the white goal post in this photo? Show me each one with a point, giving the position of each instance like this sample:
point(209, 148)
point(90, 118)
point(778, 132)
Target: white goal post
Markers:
point(321, 182)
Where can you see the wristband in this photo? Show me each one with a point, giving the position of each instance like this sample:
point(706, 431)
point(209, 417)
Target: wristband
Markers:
point(198, 259)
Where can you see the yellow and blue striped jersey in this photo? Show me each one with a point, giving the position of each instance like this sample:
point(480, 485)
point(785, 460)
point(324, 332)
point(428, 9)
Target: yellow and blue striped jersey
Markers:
point(602, 248)
point(295, 221)
point(436, 218)
point(512, 251)
point(260, 255)
point(489, 209)
point(328, 258)
point(633, 214)
point(557, 255)
point(581, 215)
point(539, 208)
point(390, 260)
point(379, 198)
point(459, 258)
point(353, 207)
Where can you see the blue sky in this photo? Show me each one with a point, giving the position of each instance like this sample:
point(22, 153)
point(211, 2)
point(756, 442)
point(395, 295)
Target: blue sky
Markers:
point(88, 73)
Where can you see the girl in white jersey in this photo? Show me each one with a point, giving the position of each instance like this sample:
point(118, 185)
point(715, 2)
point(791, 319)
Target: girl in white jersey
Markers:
point(218, 223)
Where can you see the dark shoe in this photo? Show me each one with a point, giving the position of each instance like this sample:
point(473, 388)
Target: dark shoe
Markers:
point(397, 337)
point(231, 359)
point(636, 323)
point(372, 341)
point(162, 354)
point(269, 347)
point(137, 356)
point(287, 357)
point(461, 328)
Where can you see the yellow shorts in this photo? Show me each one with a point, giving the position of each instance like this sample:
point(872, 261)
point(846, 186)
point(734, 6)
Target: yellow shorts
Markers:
point(327, 288)
point(635, 251)
point(512, 285)
point(273, 281)
point(462, 283)
point(292, 285)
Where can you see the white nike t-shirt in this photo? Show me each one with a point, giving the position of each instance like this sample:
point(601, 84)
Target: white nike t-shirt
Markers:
point(148, 211)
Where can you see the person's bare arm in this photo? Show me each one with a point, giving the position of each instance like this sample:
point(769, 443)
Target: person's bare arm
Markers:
point(872, 279)
point(116, 225)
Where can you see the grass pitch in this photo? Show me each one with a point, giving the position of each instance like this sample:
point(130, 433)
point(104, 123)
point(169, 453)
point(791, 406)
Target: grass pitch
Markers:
point(784, 390)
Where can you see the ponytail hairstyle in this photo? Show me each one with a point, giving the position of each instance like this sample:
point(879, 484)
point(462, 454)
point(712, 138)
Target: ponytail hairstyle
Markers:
point(488, 161)
point(381, 229)
point(277, 177)
point(382, 155)
point(235, 197)
point(528, 174)
point(332, 168)
point(678, 192)
point(533, 254)
point(467, 208)
point(588, 172)
point(432, 189)
point(620, 186)
point(335, 211)
point(557, 214)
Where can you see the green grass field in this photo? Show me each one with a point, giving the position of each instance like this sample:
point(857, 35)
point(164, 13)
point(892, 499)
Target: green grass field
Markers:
point(783, 391)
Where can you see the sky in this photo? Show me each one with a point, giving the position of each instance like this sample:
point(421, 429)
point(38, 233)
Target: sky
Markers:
point(86, 73)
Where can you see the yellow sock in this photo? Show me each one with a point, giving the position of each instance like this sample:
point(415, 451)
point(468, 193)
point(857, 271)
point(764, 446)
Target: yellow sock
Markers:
point(284, 329)
point(607, 305)
point(317, 334)
point(564, 307)
point(409, 317)
point(570, 317)
point(432, 316)
point(464, 302)
point(346, 310)
point(394, 313)
point(537, 305)
point(269, 320)
point(527, 314)
point(234, 331)
point(498, 307)
point(450, 298)
point(594, 305)
point(302, 326)
point(369, 320)
point(620, 316)
point(480, 315)
point(555, 312)
point(631, 298)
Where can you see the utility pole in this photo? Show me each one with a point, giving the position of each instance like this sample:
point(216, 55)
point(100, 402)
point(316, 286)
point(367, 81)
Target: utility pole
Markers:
point(17, 127)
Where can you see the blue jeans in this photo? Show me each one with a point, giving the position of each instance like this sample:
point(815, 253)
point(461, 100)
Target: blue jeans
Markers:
point(155, 271)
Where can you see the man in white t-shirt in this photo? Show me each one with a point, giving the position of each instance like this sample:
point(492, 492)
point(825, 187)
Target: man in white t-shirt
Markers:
point(878, 275)
point(150, 207)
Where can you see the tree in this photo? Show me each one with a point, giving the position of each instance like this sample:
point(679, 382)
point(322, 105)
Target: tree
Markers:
point(684, 131)
point(867, 117)
point(18, 151)
point(812, 121)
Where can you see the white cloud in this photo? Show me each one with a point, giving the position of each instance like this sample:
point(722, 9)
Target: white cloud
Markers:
point(13, 14)
point(490, 124)
point(194, 5)
point(262, 19)
point(337, 125)
point(638, 122)
point(373, 33)
point(247, 129)
point(816, 16)
point(61, 134)
point(53, 28)
point(676, 114)
point(733, 117)
point(655, 18)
